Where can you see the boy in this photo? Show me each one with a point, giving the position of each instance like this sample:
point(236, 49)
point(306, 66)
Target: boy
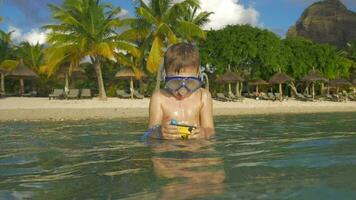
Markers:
point(183, 101)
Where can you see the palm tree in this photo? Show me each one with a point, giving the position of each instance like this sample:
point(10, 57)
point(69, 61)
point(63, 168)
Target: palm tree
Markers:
point(7, 61)
point(159, 24)
point(199, 19)
point(32, 55)
point(85, 29)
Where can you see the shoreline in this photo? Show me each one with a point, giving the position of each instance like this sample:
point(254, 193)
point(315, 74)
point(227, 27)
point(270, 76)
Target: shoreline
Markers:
point(42, 109)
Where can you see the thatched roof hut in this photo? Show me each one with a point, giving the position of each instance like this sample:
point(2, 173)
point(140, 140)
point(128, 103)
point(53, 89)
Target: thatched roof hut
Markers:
point(339, 82)
point(230, 77)
point(280, 78)
point(2, 70)
point(128, 73)
point(258, 82)
point(354, 82)
point(314, 76)
point(77, 73)
point(22, 72)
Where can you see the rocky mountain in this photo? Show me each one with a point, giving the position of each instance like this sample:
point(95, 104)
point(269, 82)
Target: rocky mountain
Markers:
point(327, 21)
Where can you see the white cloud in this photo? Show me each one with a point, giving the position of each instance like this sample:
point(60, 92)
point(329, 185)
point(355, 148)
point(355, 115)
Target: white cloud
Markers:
point(33, 37)
point(124, 13)
point(36, 36)
point(228, 12)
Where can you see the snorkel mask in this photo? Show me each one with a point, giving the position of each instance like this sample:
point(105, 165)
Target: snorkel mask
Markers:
point(176, 83)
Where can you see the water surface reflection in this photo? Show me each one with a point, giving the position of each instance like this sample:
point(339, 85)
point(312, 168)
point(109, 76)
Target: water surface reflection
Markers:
point(193, 169)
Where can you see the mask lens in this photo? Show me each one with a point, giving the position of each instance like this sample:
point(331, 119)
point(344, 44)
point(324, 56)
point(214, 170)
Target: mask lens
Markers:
point(174, 84)
point(189, 83)
point(192, 84)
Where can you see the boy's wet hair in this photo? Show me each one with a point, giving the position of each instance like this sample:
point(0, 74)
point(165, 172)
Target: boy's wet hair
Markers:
point(181, 56)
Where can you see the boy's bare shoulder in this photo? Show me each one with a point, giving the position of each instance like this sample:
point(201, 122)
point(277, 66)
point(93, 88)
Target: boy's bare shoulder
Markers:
point(205, 94)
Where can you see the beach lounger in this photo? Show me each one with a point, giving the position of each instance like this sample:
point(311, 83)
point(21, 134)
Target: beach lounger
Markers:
point(303, 98)
point(329, 97)
point(235, 98)
point(264, 96)
point(222, 97)
point(271, 96)
point(73, 94)
point(57, 94)
point(122, 94)
point(85, 94)
point(30, 94)
point(137, 95)
point(352, 97)
point(278, 96)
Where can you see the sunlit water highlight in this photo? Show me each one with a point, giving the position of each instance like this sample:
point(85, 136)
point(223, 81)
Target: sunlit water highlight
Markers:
point(252, 157)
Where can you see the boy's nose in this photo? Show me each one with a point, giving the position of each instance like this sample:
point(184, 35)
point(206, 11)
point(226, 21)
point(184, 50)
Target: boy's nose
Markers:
point(183, 91)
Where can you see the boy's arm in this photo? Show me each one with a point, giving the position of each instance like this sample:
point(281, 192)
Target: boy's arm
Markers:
point(155, 110)
point(206, 114)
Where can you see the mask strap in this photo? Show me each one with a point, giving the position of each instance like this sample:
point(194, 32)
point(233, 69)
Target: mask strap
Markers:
point(163, 73)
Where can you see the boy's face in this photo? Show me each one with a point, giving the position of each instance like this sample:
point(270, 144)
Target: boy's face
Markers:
point(186, 82)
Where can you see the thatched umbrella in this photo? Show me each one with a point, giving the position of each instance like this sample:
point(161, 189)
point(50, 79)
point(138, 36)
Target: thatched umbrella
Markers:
point(128, 73)
point(76, 73)
point(22, 72)
point(231, 77)
point(312, 77)
point(339, 82)
point(257, 83)
point(280, 78)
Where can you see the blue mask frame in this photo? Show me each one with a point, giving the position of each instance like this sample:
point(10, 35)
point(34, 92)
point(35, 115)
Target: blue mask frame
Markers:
point(183, 80)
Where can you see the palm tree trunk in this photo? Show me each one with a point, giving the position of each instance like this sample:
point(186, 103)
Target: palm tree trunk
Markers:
point(131, 88)
point(230, 92)
point(257, 89)
point(280, 92)
point(313, 90)
point(158, 79)
point(22, 90)
point(2, 83)
point(66, 85)
point(101, 88)
point(237, 89)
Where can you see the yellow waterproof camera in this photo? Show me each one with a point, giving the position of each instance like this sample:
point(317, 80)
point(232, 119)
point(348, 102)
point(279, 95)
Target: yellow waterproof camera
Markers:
point(184, 130)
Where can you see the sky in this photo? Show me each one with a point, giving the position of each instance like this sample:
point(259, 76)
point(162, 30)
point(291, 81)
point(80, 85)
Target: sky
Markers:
point(26, 17)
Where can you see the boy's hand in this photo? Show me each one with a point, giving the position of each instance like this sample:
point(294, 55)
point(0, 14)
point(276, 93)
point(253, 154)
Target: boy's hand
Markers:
point(196, 133)
point(169, 131)
point(202, 133)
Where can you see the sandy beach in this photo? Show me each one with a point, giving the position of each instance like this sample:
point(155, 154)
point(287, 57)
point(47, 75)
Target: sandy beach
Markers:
point(22, 108)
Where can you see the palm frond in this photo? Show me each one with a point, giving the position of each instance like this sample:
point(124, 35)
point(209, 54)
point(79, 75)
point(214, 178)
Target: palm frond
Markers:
point(166, 30)
point(155, 55)
point(146, 15)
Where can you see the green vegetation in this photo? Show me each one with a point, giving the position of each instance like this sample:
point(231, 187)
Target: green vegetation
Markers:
point(257, 53)
point(92, 31)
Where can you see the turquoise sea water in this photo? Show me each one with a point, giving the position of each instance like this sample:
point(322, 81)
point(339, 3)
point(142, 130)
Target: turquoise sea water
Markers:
point(252, 157)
